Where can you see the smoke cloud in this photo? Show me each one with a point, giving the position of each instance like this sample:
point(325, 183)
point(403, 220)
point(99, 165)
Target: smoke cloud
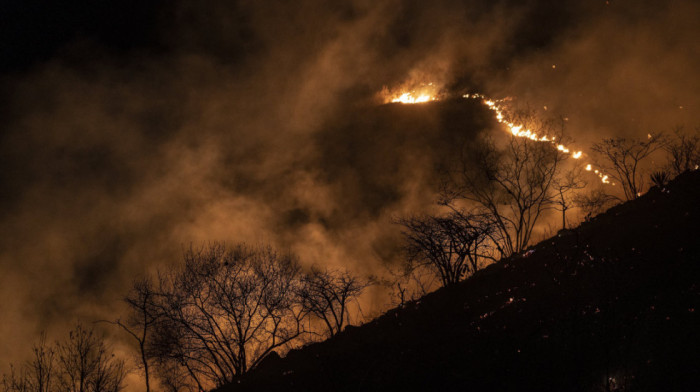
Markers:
point(259, 122)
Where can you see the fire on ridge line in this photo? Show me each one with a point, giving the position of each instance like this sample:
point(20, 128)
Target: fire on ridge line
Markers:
point(518, 131)
point(420, 94)
point(413, 97)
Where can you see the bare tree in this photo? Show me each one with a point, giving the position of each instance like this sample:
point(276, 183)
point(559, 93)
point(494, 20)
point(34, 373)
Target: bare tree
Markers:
point(42, 366)
point(86, 365)
point(170, 354)
point(326, 294)
point(622, 159)
point(401, 294)
point(142, 318)
point(565, 187)
point(175, 377)
point(683, 151)
point(513, 184)
point(408, 282)
point(452, 246)
point(225, 310)
point(594, 202)
point(36, 375)
point(16, 381)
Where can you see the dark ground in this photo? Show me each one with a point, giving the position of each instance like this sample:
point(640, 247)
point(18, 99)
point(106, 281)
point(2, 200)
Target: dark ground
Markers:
point(611, 305)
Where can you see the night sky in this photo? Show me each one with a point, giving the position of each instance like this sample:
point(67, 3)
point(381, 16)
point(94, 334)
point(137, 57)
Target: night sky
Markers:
point(131, 129)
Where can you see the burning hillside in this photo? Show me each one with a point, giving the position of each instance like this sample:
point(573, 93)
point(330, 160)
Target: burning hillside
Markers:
point(592, 309)
point(503, 114)
point(133, 129)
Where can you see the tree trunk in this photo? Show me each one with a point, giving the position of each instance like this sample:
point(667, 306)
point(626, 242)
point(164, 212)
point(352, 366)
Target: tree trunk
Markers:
point(563, 218)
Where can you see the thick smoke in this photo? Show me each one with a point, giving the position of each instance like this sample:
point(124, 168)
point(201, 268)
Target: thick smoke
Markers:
point(628, 70)
point(258, 122)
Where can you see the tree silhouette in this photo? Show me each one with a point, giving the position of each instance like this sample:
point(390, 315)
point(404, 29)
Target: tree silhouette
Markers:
point(622, 159)
point(224, 310)
point(326, 294)
point(86, 365)
point(594, 202)
point(142, 318)
point(683, 151)
point(452, 246)
point(42, 366)
point(513, 183)
point(37, 374)
point(565, 187)
point(81, 363)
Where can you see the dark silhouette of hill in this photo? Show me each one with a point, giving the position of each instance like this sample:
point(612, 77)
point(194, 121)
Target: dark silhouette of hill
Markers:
point(610, 305)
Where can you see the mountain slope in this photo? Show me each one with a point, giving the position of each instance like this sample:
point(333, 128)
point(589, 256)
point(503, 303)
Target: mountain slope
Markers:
point(611, 305)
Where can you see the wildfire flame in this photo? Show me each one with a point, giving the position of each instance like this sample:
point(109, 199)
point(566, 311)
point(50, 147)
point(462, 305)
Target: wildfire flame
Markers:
point(418, 94)
point(496, 105)
point(517, 129)
point(429, 92)
point(409, 98)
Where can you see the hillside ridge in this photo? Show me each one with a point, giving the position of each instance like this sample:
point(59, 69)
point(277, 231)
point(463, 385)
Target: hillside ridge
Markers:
point(609, 305)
